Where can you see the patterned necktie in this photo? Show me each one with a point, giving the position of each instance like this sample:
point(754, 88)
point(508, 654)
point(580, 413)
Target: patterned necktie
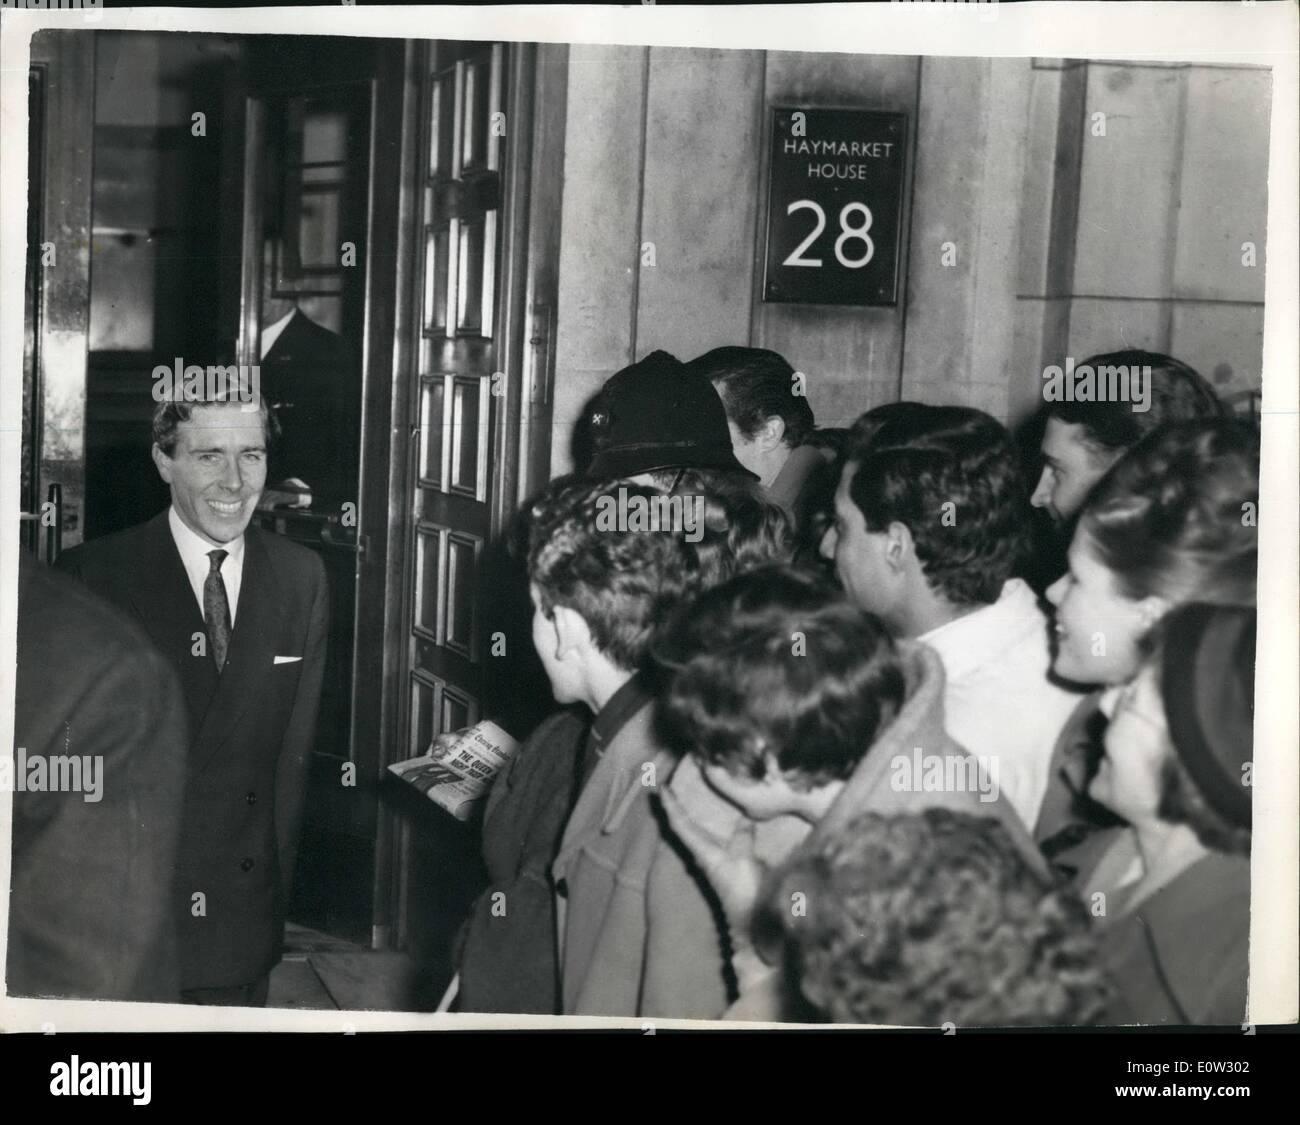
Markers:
point(216, 609)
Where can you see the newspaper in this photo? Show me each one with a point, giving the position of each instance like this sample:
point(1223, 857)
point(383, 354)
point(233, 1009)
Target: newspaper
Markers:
point(459, 773)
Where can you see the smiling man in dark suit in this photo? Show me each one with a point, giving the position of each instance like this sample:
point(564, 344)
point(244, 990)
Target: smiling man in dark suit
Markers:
point(241, 615)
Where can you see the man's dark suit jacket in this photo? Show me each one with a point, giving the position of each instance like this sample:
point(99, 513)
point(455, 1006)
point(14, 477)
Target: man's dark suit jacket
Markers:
point(92, 903)
point(312, 378)
point(252, 726)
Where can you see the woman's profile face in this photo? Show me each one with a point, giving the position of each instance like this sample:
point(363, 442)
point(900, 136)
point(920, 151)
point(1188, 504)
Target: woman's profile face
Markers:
point(1128, 780)
point(1098, 629)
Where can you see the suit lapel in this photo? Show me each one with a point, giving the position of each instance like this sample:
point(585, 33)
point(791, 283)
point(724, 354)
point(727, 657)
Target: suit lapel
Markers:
point(164, 601)
point(252, 648)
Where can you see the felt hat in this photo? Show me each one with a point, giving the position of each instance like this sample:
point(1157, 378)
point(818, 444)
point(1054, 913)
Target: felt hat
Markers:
point(659, 414)
point(1208, 686)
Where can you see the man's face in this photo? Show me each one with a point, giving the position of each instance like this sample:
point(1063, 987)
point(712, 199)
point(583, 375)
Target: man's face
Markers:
point(859, 554)
point(1070, 468)
point(217, 470)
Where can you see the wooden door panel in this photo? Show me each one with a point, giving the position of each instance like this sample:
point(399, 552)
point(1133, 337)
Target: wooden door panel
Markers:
point(460, 204)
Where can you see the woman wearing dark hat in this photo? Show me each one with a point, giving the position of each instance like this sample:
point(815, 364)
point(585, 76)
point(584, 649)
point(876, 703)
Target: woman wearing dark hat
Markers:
point(1171, 893)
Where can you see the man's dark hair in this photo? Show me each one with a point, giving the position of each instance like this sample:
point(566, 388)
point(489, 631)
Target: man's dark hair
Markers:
point(865, 426)
point(777, 662)
point(950, 475)
point(756, 384)
point(922, 918)
point(1178, 394)
point(170, 413)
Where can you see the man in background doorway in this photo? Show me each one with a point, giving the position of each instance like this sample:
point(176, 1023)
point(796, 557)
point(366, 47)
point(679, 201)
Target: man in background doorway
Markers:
point(312, 379)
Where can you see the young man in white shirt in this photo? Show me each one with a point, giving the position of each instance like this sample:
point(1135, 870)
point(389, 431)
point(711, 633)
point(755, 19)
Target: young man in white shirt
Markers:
point(931, 520)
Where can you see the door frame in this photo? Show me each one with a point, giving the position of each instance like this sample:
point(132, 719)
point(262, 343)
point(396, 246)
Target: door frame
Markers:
point(61, 330)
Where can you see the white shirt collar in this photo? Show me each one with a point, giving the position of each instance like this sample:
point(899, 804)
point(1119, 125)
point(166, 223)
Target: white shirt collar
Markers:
point(1108, 699)
point(977, 637)
point(271, 332)
point(193, 549)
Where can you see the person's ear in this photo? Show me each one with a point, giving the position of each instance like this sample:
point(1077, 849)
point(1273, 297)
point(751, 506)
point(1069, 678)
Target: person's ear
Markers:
point(899, 547)
point(162, 462)
point(772, 433)
point(572, 633)
point(1151, 609)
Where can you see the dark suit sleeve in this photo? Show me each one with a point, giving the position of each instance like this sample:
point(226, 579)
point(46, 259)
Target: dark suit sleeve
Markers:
point(295, 751)
point(91, 905)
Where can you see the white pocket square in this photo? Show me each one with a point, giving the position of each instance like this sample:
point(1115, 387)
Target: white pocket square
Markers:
point(287, 659)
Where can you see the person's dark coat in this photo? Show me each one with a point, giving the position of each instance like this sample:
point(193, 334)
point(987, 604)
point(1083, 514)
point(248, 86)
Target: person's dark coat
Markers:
point(92, 904)
point(1182, 955)
point(311, 376)
point(805, 483)
point(510, 960)
point(252, 729)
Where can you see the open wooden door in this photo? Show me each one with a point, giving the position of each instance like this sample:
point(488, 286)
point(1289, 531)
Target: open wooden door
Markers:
point(482, 173)
point(441, 164)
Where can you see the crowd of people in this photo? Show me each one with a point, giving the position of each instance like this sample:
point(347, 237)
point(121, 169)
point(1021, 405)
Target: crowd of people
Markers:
point(837, 737)
point(859, 747)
